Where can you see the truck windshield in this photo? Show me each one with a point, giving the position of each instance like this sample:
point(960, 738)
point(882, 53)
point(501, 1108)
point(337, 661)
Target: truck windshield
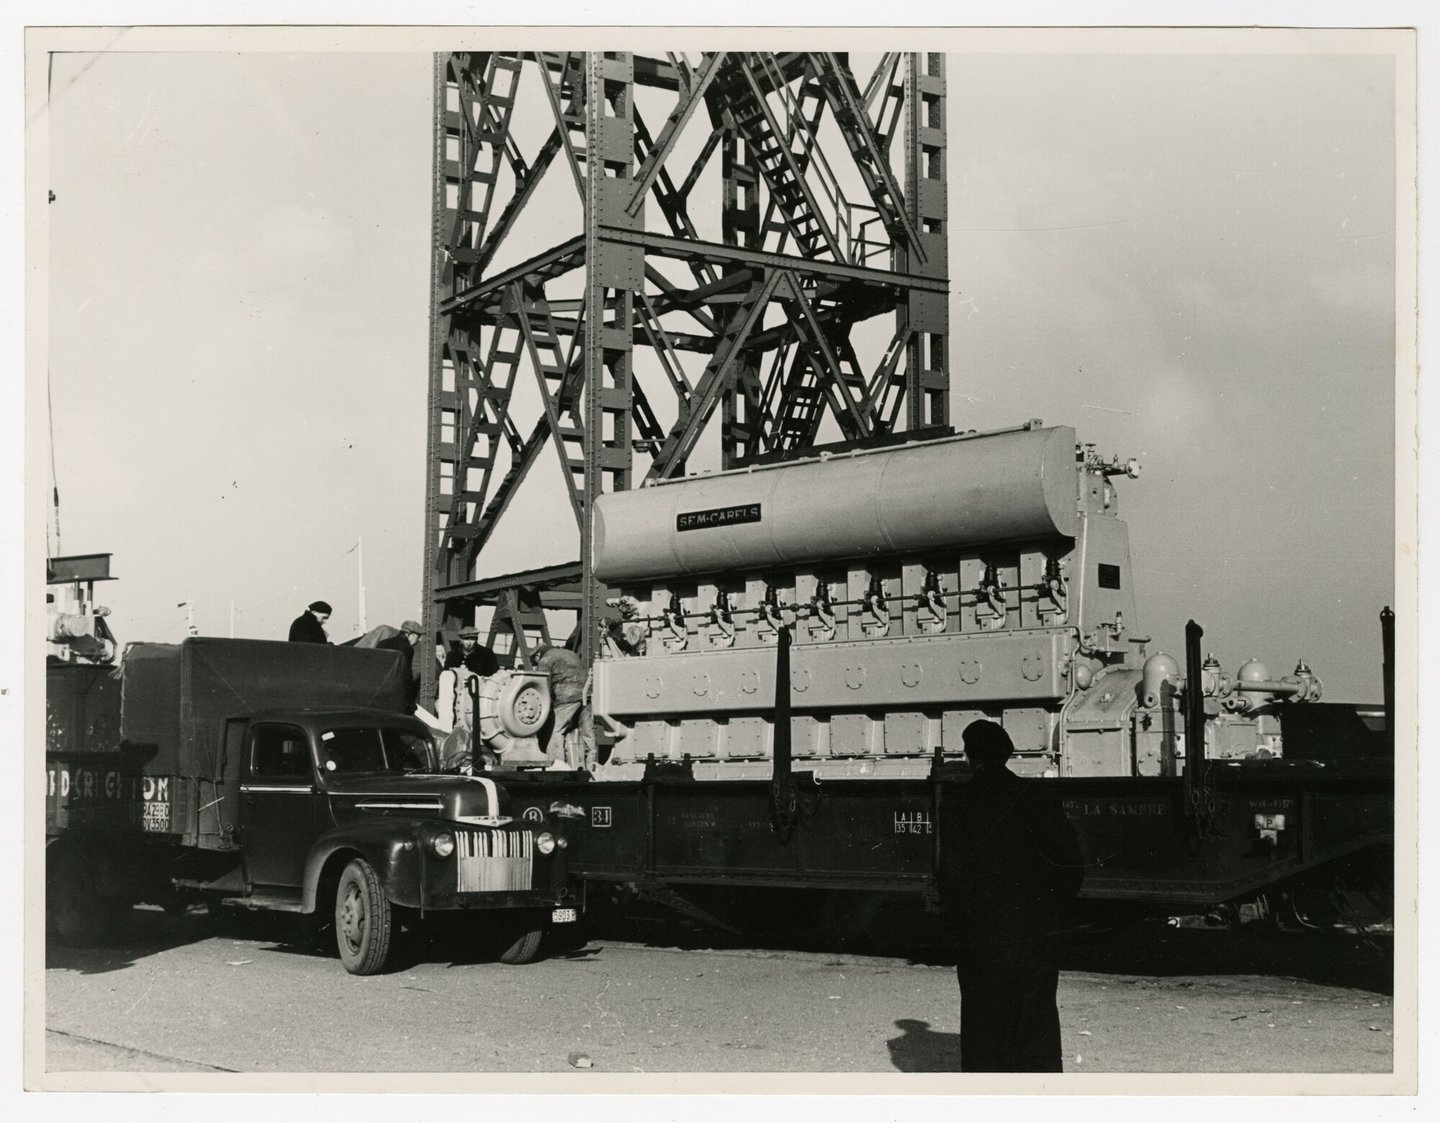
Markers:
point(367, 749)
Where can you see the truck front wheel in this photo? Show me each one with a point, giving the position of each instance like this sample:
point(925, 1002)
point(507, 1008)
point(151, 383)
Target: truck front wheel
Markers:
point(363, 921)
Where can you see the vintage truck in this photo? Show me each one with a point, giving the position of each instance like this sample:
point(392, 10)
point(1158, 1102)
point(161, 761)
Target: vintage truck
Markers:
point(290, 777)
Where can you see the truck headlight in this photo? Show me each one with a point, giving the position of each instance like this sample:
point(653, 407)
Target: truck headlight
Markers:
point(545, 842)
point(442, 845)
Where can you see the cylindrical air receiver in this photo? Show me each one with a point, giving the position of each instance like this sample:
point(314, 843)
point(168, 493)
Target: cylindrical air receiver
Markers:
point(964, 492)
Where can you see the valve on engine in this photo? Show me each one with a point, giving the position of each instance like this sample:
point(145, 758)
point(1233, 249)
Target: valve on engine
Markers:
point(770, 616)
point(673, 615)
point(931, 603)
point(722, 624)
point(1052, 590)
point(1095, 462)
point(822, 612)
point(990, 599)
point(875, 620)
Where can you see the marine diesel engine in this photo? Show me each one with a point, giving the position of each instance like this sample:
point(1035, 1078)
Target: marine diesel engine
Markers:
point(926, 585)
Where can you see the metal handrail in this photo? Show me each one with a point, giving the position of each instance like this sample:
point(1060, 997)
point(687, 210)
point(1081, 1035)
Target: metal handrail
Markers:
point(825, 177)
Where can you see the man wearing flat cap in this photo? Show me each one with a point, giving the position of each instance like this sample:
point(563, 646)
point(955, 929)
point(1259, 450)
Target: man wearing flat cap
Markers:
point(309, 626)
point(406, 642)
point(1010, 866)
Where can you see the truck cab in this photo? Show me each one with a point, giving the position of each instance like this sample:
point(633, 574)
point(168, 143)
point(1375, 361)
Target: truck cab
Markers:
point(344, 807)
point(169, 788)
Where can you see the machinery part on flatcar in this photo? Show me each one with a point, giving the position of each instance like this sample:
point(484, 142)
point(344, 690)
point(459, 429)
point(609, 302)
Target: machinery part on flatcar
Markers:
point(990, 598)
point(1253, 689)
point(822, 611)
point(932, 603)
point(1017, 487)
point(722, 621)
point(511, 708)
point(1052, 588)
point(1158, 670)
point(1095, 462)
point(1213, 683)
point(674, 616)
point(770, 609)
point(1067, 671)
point(877, 608)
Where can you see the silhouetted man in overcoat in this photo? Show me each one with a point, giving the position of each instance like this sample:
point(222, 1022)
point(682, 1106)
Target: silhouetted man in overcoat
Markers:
point(1010, 866)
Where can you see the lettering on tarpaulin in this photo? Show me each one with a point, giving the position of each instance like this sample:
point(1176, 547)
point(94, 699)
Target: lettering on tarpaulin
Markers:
point(85, 783)
point(913, 822)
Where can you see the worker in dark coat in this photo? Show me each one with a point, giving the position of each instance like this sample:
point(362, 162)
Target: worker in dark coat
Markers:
point(1010, 866)
point(309, 626)
point(406, 642)
point(478, 658)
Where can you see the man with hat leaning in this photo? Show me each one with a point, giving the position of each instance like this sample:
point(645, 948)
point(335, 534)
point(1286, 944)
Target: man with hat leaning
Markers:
point(309, 627)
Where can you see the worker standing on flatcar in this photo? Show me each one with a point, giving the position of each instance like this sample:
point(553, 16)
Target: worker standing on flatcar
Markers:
point(571, 734)
point(479, 659)
point(1010, 866)
point(627, 634)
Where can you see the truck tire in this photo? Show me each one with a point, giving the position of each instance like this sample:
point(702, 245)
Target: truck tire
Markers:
point(363, 921)
point(524, 945)
point(75, 913)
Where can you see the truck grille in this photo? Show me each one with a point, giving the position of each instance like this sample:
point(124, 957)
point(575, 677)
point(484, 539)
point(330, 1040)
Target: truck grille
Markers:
point(493, 860)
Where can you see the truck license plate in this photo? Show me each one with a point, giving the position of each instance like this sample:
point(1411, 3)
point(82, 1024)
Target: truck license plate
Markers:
point(563, 916)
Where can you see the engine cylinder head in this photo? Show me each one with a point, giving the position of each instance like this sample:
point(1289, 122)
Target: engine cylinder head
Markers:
point(1158, 670)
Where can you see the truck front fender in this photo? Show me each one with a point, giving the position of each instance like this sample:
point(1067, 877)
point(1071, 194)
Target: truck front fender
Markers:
point(390, 845)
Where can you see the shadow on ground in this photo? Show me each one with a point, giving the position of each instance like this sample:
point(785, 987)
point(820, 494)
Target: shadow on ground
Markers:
point(1109, 942)
point(148, 931)
point(1329, 957)
point(1123, 945)
point(918, 1048)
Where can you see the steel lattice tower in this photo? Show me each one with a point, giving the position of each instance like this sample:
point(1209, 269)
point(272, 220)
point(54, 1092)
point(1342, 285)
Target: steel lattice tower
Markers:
point(831, 200)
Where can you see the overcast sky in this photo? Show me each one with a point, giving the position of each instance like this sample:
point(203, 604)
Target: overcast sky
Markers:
point(1189, 258)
